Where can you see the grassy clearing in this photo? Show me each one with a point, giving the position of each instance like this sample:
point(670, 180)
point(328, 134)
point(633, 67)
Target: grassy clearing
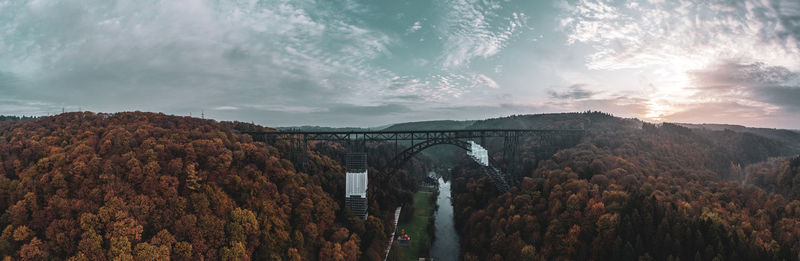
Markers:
point(417, 228)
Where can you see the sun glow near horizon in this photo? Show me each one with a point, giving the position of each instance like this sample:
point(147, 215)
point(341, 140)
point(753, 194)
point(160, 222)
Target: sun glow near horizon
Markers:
point(672, 85)
point(693, 58)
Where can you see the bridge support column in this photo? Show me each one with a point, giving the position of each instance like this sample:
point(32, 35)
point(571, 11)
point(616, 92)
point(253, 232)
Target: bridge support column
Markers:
point(356, 183)
point(510, 155)
point(299, 153)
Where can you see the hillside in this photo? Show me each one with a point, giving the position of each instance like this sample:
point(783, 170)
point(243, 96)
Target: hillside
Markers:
point(777, 175)
point(148, 186)
point(789, 137)
point(572, 120)
point(647, 192)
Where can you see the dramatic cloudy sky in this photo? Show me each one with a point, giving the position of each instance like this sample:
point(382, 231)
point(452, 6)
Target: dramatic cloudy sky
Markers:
point(367, 63)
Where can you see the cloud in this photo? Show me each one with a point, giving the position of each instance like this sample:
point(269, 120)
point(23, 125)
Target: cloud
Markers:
point(408, 98)
point(453, 83)
point(476, 29)
point(476, 112)
point(416, 26)
point(329, 114)
point(763, 90)
point(693, 54)
point(693, 33)
point(788, 96)
point(727, 111)
point(375, 110)
point(440, 87)
point(195, 54)
point(732, 73)
point(575, 91)
point(483, 80)
point(226, 108)
point(190, 52)
point(780, 22)
point(7, 82)
point(353, 63)
point(14, 106)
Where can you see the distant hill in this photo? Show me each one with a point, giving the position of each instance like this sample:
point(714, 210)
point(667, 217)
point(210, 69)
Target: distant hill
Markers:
point(789, 137)
point(571, 120)
point(430, 125)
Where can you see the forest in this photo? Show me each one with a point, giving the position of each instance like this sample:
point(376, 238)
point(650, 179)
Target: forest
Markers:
point(646, 192)
point(148, 186)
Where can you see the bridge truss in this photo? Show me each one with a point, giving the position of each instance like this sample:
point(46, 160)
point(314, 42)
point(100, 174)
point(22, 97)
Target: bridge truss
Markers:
point(419, 140)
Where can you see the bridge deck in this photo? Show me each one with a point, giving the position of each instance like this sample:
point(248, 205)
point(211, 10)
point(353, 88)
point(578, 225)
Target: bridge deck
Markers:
point(412, 134)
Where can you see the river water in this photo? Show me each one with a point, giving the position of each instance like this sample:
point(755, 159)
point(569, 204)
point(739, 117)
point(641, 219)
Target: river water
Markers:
point(445, 244)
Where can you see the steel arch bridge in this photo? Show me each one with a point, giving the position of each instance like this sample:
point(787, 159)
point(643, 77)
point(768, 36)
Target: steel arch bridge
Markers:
point(356, 141)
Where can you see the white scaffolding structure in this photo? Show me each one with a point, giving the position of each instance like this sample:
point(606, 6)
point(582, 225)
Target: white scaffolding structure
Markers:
point(478, 153)
point(356, 184)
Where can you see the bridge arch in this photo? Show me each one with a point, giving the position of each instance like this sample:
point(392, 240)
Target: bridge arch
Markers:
point(401, 158)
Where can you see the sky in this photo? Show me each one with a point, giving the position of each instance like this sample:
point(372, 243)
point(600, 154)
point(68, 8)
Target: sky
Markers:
point(369, 63)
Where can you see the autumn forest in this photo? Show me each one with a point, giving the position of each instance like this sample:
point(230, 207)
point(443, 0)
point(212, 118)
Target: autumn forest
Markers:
point(151, 186)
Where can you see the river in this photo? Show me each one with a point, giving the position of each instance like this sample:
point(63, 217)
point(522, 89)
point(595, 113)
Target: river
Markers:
point(445, 244)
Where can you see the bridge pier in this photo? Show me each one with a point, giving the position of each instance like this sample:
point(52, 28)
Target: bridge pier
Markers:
point(511, 155)
point(356, 183)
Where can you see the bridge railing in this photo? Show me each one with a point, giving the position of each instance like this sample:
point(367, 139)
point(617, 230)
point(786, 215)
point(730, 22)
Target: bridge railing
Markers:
point(410, 135)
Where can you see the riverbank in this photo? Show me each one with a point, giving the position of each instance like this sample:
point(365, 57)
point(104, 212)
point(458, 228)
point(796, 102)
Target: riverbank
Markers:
point(419, 226)
point(446, 242)
point(390, 242)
